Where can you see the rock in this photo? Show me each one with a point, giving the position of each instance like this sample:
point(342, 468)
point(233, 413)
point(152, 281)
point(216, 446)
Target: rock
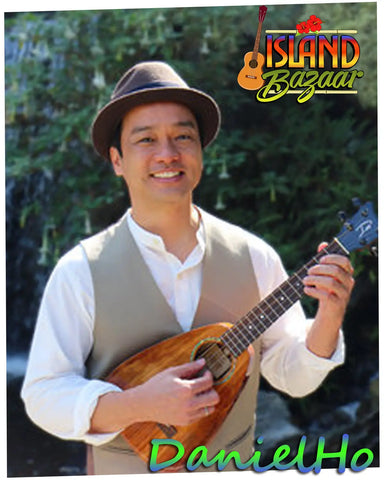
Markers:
point(359, 420)
point(273, 420)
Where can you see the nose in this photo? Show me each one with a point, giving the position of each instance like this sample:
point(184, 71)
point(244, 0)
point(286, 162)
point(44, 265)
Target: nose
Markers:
point(167, 151)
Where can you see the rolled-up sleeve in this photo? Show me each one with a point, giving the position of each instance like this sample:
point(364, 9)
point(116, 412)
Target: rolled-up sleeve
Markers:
point(286, 362)
point(57, 395)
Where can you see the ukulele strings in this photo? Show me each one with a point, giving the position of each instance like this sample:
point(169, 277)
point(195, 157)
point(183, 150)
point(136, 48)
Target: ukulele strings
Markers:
point(215, 357)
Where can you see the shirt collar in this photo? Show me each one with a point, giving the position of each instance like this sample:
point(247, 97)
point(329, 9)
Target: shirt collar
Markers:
point(150, 240)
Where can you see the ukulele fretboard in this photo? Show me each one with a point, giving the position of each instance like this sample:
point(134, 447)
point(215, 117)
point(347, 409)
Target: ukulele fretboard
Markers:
point(263, 315)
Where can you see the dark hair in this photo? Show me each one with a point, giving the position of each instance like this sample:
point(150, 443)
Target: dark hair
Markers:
point(116, 139)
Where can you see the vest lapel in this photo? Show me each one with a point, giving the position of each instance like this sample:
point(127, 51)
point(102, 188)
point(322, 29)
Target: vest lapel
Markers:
point(229, 288)
point(131, 312)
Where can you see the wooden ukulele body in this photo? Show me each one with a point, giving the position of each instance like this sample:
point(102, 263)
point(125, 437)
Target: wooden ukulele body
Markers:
point(249, 76)
point(229, 378)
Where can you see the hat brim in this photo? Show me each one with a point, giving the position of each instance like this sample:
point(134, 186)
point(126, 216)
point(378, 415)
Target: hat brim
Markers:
point(205, 109)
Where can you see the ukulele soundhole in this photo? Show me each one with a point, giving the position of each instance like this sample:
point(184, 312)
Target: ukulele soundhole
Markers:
point(218, 358)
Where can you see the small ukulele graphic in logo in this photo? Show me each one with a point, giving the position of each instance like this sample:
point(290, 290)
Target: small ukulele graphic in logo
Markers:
point(313, 24)
point(249, 76)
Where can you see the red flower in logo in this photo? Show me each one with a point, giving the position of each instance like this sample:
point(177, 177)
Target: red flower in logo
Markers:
point(302, 27)
point(313, 24)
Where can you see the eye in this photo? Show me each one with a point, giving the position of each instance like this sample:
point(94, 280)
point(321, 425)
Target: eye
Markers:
point(145, 140)
point(184, 137)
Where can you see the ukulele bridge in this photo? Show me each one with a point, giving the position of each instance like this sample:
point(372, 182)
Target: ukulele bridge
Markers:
point(218, 358)
point(168, 430)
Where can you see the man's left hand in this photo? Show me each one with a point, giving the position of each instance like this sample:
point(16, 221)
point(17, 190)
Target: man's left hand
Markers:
point(331, 283)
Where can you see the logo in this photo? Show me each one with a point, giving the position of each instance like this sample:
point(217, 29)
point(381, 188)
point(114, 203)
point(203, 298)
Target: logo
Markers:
point(306, 61)
point(364, 227)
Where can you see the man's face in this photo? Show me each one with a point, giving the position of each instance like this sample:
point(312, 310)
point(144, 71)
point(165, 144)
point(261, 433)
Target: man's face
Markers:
point(161, 157)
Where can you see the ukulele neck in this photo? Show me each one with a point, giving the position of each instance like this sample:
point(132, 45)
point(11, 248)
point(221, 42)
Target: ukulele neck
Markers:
point(263, 315)
point(257, 41)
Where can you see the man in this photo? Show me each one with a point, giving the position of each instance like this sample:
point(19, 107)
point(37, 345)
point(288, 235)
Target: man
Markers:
point(165, 268)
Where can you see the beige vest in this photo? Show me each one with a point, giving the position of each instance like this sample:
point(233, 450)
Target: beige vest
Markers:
point(132, 314)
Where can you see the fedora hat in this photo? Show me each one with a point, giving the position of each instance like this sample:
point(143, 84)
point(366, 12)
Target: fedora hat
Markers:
point(149, 82)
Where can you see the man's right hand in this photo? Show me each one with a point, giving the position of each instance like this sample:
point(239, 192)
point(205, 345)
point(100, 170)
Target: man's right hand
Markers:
point(179, 396)
point(175, 396)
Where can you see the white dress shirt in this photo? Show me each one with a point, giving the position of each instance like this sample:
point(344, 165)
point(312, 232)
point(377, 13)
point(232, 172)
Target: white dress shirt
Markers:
point(56, 393)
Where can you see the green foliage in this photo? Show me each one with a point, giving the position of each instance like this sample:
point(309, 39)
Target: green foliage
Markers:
point(282, 170)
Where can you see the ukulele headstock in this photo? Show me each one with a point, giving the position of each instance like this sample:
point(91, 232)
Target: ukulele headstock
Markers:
point(262, 13)
point(359, 231)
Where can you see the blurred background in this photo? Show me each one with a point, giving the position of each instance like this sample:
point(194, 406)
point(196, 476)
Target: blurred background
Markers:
point(282, 170)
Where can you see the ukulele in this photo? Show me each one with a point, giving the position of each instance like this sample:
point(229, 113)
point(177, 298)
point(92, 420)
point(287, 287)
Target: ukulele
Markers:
point(224, 348)
point(249, 76)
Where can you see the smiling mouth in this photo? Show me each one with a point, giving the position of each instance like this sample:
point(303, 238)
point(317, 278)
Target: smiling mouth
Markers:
point(173, 174)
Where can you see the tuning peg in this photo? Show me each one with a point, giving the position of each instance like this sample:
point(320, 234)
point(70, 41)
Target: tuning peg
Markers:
point(341, 216)
point(348, 226)
point(356, 202)
point(374, 251)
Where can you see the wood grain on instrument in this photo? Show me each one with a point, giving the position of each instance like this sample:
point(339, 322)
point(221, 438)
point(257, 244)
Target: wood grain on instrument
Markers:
point(168, 353)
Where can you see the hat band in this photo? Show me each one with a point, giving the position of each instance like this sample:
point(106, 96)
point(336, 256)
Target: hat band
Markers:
point(153, 85)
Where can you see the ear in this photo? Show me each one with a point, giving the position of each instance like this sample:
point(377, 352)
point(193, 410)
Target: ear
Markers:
point(116, 161)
